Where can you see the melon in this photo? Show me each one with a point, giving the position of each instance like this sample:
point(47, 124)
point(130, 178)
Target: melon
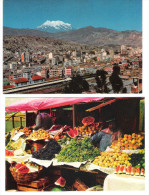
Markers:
point(57, 189)
point(142, 172)
point(60, 182)
point(88, 120)
point(18, 166)
point(72, 133)
point(75, 131)
point(132, 170)
point(23, 169)
point(137, 171)
point(121, 169)
point(117, 169)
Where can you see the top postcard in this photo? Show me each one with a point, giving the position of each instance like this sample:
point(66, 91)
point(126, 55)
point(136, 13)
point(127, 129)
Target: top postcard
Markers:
point(72, 46)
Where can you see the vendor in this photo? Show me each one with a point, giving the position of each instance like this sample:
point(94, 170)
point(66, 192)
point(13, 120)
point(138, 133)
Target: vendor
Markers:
point(43, 120)
point(106, 136)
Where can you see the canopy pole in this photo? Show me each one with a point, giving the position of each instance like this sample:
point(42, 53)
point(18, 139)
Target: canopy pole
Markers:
point(21, 122)
point(73, 114)
point(13, 122)
point(26, 118)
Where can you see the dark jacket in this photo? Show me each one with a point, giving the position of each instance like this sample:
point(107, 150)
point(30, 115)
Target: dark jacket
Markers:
point(104, 140)
point(43, 121)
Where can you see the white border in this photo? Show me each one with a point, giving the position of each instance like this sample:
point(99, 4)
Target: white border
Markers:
point(145, 94)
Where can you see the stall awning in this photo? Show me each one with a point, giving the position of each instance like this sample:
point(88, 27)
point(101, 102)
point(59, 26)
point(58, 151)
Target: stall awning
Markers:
point(45, 103)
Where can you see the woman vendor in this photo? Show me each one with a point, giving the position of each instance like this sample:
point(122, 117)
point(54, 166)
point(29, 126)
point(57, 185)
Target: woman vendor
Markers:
point(106, 136)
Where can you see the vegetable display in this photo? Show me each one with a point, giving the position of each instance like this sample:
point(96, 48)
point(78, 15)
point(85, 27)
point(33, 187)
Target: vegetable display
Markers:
point(48, 152)
point(64, 140)
point(78, 151)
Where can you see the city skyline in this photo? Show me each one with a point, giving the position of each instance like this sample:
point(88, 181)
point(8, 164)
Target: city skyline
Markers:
point(114, 14)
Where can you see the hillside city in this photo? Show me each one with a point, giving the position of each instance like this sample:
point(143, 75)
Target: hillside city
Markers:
point(37, 63)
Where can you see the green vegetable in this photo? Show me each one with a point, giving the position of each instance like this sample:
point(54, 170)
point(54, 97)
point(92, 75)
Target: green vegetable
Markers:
point(78, 151)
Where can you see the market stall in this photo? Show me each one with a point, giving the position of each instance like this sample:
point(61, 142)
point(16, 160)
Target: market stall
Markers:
point(64, 156)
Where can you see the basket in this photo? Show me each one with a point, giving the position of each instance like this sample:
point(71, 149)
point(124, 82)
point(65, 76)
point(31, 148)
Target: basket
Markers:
point(24, 177)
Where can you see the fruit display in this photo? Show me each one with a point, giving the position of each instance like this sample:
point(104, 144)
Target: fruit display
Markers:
point(48, 152)
point(87, 129)
point(26, 131)
point(128, 142)
point(130, 170)
point(78, 151)
point(39, 134)
point(112, 159)
point(65, 140)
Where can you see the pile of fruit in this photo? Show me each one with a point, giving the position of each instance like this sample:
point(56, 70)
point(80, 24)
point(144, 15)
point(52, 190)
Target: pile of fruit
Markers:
point(128, 142)
point(89, 126)
point(48, 152)
point(26, 131)
point(130, 170)
point(39, 134)
point(78, 151)
point(112, 159)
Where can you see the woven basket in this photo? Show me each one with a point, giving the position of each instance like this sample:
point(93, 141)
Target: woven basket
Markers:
point(24, 177)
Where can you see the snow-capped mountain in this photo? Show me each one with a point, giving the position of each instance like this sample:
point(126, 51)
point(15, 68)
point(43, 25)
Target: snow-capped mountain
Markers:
point(55, 26)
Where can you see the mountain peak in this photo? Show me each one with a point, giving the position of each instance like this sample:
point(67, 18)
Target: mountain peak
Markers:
point(55, 26)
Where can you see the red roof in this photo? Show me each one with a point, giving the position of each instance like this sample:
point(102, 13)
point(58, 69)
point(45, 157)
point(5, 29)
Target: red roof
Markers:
point(108, 69)
point(8, 86)
point(34, 78)
point(21, 80)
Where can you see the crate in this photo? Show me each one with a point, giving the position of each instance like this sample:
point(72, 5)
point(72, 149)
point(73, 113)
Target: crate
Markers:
point(39, 185)
point(80, 186)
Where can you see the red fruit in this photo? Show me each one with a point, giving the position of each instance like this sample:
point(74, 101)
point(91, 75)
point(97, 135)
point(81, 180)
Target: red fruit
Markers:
point(18, 166)
point(121, 169)
point(142, 172)
point(60, 182)
point(117, 169)
point(125, 170)
point(132, 170)
point(23, 169)
point(88, 120)
point(137, 171)
point(75, 132)
point(8, 153)
point(71, 133)
point(129, 170)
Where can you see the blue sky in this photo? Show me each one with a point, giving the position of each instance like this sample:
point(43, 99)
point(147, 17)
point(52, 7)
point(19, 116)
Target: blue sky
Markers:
point(113, 14)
